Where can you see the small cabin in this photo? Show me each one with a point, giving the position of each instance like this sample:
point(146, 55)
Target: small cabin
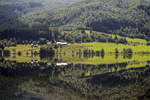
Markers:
point(148, 63)
point(61, 43)
point(61, 64)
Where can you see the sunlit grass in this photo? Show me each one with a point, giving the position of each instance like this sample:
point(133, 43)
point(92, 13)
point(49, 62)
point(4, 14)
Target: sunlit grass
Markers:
point(129, 40)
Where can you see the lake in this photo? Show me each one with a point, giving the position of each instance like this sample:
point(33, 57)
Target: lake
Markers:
point(78, 74)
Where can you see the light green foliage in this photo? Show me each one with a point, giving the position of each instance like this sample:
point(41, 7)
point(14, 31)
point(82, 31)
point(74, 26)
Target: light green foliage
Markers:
point(87, 32)
point(130, 40)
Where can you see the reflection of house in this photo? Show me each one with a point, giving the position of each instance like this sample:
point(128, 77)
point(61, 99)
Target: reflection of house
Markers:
point(34, 61)
point(34, 45)
point(61, 64)
point(61, 43)
point(49, 63)
point(48, 43)
point(148, 63)
point(148, 43)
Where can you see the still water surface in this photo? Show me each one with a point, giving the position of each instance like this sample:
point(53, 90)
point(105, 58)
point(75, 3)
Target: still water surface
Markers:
point(75, 77)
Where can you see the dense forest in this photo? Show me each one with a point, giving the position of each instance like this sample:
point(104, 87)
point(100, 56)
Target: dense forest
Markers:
point(40, 20)
point(12, 10)
point(124, 17)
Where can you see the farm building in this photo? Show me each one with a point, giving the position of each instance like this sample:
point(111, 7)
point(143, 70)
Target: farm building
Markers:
point(61, 43)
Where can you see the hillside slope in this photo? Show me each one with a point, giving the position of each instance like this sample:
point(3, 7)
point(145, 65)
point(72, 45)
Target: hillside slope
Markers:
point(11, 10)
point(123, 17)
point(130, 18)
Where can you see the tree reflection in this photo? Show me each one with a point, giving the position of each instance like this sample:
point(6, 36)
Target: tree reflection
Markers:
point(127, 53)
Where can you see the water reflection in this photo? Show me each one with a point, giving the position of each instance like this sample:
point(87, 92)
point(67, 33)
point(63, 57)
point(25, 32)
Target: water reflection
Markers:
point(77, 76)
point(121, 61)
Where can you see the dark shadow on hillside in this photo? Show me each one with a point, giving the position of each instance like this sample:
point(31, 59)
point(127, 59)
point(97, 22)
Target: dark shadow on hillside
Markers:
point(110, 24)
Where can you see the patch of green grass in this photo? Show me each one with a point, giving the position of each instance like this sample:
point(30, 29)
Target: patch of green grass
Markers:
point(130, 40)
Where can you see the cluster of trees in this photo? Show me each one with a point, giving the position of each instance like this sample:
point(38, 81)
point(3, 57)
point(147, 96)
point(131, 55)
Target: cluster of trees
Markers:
point(47, 52)
point(12, 11)
point(20, 33)
point(91, 53)
point(43, 35)
point(127, 53)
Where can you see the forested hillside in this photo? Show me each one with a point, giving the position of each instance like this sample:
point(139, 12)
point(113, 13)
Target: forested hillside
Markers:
point(124, 17)
point(12, 10)
point(39, 19)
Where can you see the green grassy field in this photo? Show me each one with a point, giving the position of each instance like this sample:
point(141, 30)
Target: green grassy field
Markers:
point(130, 40)
point(112, 36)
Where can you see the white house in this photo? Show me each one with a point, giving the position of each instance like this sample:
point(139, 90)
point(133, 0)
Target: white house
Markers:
point(61, 43)
point(61, 64)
